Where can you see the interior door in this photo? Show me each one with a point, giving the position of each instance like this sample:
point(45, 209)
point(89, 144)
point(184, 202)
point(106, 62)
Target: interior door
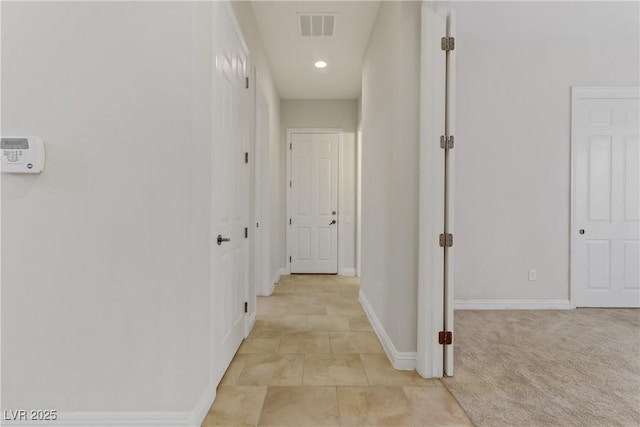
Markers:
point(606, 203)
point(313, 202)
point(230, 188)
point(435, 291)
point(449, 184)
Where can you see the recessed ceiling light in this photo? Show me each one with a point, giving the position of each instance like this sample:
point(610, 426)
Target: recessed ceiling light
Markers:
point(320, 64)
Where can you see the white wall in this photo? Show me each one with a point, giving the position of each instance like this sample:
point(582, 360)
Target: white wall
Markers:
point(390, 141)
point(105, 268)
point(265, 90)
point(513, 140)
point(332, 114)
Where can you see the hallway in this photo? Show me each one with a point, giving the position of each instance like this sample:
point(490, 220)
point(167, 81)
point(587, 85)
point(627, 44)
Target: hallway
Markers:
point(312, 359)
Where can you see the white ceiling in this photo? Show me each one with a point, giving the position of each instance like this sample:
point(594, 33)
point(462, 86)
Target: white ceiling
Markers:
point(291, 56)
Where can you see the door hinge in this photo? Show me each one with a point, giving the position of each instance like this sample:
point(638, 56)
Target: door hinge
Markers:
point(257, 225)
point(447, 43)
point(246, 307)
point(289, 221)
point(445, 337)
point(289, 259)
point(246, 157)
point(446, 142)
point(290, 146)
point(290, 184)
point(246, 232)
point(246, 82)
point(446, 240)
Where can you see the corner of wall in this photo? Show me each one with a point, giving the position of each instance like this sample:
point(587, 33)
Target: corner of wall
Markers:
point(401, 360)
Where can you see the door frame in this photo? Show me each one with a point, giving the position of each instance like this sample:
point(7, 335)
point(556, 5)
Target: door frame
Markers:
point(288, 234)
point(579, 93)
point(215, 368)
point(262, 186)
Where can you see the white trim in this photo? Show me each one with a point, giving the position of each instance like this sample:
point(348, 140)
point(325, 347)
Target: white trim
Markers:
point(193, 418)
point(236, 24)
point(430, 301)
point(512, 304)
point(578, 93)
point(348, 272)
point(276, 278)
point(401, 360)
point(288, 236)
point(201, 410)
point(359, 196)
point(250, 320)
point(603, 92)
point(262, 185)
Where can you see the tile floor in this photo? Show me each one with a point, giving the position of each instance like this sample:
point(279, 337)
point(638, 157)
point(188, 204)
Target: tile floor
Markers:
point(312, 359)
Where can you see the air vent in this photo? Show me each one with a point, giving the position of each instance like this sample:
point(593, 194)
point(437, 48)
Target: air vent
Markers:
point(316, 24)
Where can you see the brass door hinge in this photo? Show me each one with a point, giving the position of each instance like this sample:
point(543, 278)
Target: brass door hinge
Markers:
point(447, 43)
point(446, 240)
point(446, 142)
point(445, 337)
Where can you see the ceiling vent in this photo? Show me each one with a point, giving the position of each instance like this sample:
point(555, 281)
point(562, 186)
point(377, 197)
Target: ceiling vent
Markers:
point(316, 24)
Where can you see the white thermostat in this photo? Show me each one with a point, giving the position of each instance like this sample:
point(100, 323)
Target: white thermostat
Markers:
point(22, 154)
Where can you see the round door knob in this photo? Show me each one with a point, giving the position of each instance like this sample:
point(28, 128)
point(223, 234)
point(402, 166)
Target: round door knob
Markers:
point(581, 231)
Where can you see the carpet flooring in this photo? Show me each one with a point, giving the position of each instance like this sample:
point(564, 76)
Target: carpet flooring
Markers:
point(548, 368)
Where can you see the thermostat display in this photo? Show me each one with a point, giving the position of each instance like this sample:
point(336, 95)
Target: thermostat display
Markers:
point(22, 154)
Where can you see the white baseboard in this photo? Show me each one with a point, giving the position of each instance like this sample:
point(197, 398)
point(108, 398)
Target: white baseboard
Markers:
point(512, 304)
point(348, 272)
point(249, 323)
point(401, 360)
point(271, 287)
point(193, 418)
point(199, 413)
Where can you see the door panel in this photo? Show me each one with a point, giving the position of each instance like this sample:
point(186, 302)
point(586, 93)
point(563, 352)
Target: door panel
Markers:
point(632, 182)
point(605, 231)
point(230, 195)
point(449, 193)
point(313, 202)
point(599, 179)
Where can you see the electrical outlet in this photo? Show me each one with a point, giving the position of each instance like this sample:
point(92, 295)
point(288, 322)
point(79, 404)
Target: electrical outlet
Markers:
point(533, 275)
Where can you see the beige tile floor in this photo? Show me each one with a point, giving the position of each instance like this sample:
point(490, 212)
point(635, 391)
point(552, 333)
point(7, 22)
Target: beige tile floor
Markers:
point(312, 359)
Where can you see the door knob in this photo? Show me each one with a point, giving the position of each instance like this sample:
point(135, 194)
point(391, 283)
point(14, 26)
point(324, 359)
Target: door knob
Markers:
point(222, 239)
point(581, 231)
point(333, 212)
point(332, 222)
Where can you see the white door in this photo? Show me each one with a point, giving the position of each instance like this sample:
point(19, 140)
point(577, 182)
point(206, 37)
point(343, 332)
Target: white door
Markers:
point(437, 126)
point(449, 164)
point(230, 188)
point(313, 202)
point(605, 243)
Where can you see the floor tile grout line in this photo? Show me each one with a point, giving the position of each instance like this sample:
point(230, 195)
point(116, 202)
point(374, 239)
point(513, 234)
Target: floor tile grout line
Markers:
point(335, 390)
point(262, 406)
point(364, 369)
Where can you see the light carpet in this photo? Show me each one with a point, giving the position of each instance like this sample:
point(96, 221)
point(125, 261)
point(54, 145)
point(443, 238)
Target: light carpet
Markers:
point(548, 368)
